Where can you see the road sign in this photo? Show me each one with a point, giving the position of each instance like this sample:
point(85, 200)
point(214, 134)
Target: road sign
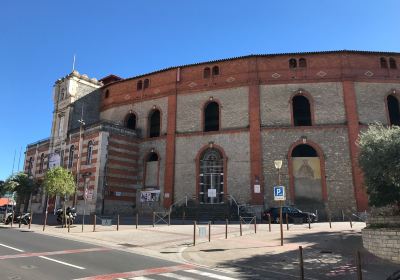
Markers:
point(279, 193)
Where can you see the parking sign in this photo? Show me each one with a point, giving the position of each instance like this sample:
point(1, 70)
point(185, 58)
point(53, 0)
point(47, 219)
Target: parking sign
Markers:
point(279, 193)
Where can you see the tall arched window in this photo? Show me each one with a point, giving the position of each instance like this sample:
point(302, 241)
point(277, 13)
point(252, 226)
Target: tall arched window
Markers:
point(292, 63)
point(302, 63)
point(139, 85)
point(215, 71)
point(383, 62)
point(152, 168)
point(301, 111)
point(211, 189)
point(146, 83)
point(392, 63)
point(155, 123)
point(89, 152)
point(71, 156)
point(30, 165)
point(41, 166)
point(393, 109)
point(211, 117)
point(206, 73)
point(130, 121)
point(107, 94)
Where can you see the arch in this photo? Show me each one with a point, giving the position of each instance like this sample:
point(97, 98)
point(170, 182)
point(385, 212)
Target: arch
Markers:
point(211, 116)
point(146, 83)
point(301, 110)
point(131, 120)
point(393, 109)
point(292, 63)
point(215, 70)
point(206, 73)
point(41, 166)
point(302, 63)
point(89, 152)
point(383, 62)
point(151, 169)
point(204, 152)
point(314, 150)
point(154, 123)
point(139, 85)
point(71, 156)
point(392, 63)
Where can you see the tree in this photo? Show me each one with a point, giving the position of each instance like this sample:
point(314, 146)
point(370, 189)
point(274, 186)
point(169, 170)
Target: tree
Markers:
point(379, 159)
point(59, 181)
point(23, 186)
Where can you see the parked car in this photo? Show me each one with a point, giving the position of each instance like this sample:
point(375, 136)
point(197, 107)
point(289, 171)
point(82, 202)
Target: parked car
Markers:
point(294, 215)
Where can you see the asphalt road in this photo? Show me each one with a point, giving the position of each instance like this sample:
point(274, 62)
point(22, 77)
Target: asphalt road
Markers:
point(27, 255)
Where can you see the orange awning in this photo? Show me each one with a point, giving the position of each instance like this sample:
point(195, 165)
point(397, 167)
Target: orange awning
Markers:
point(5, 201)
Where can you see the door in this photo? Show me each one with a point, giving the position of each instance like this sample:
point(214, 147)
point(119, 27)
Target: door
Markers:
point(211, 188)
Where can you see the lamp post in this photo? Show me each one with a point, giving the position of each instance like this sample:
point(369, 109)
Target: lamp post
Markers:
point(278, 166)
point(86, 178)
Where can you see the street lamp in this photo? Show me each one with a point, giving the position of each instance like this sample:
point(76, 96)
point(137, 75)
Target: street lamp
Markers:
point(278, 166)
point(86, 178)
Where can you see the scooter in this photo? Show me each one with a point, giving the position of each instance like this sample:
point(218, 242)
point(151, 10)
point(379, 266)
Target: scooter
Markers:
point(25, 218)
point(70, 215)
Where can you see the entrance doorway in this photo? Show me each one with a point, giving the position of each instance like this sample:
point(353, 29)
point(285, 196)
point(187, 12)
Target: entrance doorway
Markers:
point(211, 190)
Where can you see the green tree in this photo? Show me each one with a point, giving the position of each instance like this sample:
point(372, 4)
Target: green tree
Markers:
point(379, 159)
point(59, 181)
point(23, 186)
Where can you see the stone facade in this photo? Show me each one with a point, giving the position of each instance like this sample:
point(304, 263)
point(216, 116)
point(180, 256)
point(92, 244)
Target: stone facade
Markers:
point(383, 242)
point(346, 90)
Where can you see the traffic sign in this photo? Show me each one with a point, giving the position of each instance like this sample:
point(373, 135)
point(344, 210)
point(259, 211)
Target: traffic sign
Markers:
point(279, 193)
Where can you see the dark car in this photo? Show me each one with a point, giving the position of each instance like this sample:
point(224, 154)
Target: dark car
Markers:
point(294, 215)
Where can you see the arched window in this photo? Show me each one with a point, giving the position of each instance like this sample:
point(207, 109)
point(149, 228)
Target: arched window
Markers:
point(139, 85)
point(211, 176)
point(301, 111)
point(106, 94)
point(304, 150)
point(215, 71)
point(392, 63)
point(155, 123)
point(130, 121)
point(383, 62)
point(89, 152)
point(71, 156)
point(146, 83)
point(292, 63)
point(61, 97)
point(206, 73)
point(152, 168)
point(41, 166)
point(30, 165)
point(302, 63)
point(211, 117)
point(393, 109)
point(62, 158)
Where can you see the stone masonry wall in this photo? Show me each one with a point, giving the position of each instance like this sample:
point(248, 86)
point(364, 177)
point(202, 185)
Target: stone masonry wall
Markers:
point(383, 242)
point(335, 146)
point(236, 147)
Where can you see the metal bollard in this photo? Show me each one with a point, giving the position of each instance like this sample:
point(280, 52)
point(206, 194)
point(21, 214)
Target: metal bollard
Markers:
point(12, 219)
point(241, 233)
point(351, 224)
point(301, 263)
point(226, 229)
point(118, 222)
point(269, 222)
point(255, 224)
point(154, 219)
point(20, 221)
point(68, 225)
point(169, 218)
point(330, 221)
point(94, 223)
point(194, 233)
point(209, 231)
point(309, 222)
point(137, 220)
point(358, 262)
point(287, 221)
point(30, 220)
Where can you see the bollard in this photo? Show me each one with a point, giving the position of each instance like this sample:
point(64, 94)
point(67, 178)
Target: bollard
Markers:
point(154, 219)
point(351, 224)
point(255, 224)
point(45, 220)
point(194, 233)
point(69, 225)
point(20, 221)
point(301, 263)
point(94, 223)
point(287, 221)
point(330, 221)
point(30, 220)
point(241, 226)
point(12, 219)
point(118, 222)
point(309, 222)
point(226, 229)
point(169, 218)
point(209, 231)
point(269, 222)
point(137, 220)
point(343, 215)
point(358, 262)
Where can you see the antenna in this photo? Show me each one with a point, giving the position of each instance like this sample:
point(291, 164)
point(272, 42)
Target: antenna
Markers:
point(73, 64)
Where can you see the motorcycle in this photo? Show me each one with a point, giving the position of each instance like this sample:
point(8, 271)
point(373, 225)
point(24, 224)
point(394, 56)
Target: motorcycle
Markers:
point(70, 215)
point(25, 218)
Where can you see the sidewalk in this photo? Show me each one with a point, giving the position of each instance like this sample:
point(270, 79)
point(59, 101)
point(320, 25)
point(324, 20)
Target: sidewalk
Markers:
point(328, 253)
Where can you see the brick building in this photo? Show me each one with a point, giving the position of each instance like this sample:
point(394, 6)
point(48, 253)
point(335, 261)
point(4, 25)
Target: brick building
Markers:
point(212, 131)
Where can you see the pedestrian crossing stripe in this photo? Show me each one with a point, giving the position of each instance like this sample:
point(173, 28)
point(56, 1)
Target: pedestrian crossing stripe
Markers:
point(182, 277)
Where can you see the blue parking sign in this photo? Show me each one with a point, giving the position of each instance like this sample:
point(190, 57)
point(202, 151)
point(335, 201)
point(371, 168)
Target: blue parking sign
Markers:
point(279, 193)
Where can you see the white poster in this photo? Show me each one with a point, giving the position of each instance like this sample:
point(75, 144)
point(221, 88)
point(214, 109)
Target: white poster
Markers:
point(212, 193)
point(150, 196)
point(257, 189)
point(54, 160)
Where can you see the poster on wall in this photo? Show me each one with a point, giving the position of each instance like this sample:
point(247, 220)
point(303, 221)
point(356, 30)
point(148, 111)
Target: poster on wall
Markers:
point(150, 196)
point(54, 160)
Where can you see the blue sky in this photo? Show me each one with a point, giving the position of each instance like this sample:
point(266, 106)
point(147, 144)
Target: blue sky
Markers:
point(39, 38)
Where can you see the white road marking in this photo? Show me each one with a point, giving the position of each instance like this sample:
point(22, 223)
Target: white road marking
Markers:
point(140, 278)
point(208, 274)
point(12, 248)
point(64, 263)
point(176, 276)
